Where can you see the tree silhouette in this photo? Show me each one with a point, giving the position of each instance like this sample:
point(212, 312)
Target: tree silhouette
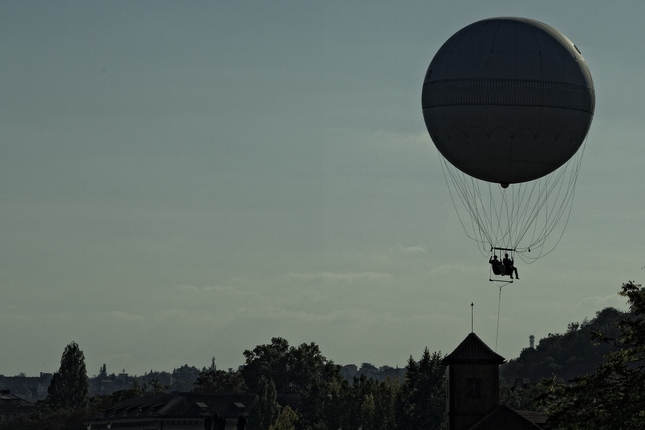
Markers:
point(270, 361)
point(68, 387)
point(265, 407)
point(612, 396)
point(286, 420)
point(219, 381)
point(566, 355)
point(301, 370)
point(422, 397)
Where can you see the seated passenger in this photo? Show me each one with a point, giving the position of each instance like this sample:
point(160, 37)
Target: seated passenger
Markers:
point(498, 268)
point(509, 267)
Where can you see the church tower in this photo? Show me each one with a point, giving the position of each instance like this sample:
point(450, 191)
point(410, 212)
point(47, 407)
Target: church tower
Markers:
point(473, 382)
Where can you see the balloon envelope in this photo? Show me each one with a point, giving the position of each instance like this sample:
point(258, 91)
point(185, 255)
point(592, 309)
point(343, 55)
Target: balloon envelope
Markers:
point(508, 100)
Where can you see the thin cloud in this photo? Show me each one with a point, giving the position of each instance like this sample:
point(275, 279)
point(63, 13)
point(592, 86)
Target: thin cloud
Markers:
point(336, 277)
point(415, 249)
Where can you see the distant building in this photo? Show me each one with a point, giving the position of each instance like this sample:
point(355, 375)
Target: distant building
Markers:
point(12, 406)
point(351, 371)
point(348, 371)
point(473, 391)
point(30, 388)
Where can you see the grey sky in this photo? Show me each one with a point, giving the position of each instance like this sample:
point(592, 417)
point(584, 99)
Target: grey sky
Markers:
point(182, 180)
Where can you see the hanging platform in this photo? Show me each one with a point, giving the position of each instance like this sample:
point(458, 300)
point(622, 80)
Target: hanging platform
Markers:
point(497, 268)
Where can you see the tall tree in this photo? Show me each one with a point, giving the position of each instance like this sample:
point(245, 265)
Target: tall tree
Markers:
point(68, 387)
point(611, 397)
point(368, 404)
point(301, 370)
point(270, 361)
point(422, 396)
point(286, 420)
point(265, 409)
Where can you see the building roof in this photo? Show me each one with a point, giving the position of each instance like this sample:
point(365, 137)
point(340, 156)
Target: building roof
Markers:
point(504, 418)
point(186, 405)
point(538, 418)
point(7, 398)
point(10, 404)
point(473, 350)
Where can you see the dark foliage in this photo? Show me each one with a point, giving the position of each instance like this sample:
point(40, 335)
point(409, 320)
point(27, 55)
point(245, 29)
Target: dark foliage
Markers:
point(184, 377)
point(422, 399)
point(68, 387)
point(219, 381)
point(270, 361)
point(265, 409)
point(612, 396)
point(301, 370)
point(565, 356)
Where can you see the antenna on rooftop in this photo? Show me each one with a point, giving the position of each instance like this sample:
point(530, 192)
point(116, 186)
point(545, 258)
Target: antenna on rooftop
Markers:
point(472, 317)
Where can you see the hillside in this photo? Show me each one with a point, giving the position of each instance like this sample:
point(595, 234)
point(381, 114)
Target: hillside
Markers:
point(565, 355)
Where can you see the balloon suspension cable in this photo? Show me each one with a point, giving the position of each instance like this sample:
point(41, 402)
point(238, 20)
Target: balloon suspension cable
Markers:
point(499, 306)
point(521, 217)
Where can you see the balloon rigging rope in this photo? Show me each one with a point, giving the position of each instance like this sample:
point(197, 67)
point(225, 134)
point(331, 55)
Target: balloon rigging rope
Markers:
point(567, 205)
point(461, 189)
point(499, 306)
point(508, 222)
point(565, 195)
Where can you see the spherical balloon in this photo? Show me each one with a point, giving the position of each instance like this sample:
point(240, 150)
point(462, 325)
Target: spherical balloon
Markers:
point(508, 100)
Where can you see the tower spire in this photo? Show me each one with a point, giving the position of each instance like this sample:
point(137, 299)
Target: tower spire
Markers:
point(472, 317)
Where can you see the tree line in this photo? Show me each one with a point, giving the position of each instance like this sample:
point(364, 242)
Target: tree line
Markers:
point(608, 352)
point(328, 401)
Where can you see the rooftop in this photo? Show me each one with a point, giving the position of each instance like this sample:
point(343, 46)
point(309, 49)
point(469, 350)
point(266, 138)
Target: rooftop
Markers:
point(473, 350)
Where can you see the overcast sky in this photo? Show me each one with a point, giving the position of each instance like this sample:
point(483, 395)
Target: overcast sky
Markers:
point(187, 179)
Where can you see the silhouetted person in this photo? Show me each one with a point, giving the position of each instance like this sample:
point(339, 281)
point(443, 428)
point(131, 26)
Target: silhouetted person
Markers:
point(509, 267)
point(241, 423)
point(497, 265)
